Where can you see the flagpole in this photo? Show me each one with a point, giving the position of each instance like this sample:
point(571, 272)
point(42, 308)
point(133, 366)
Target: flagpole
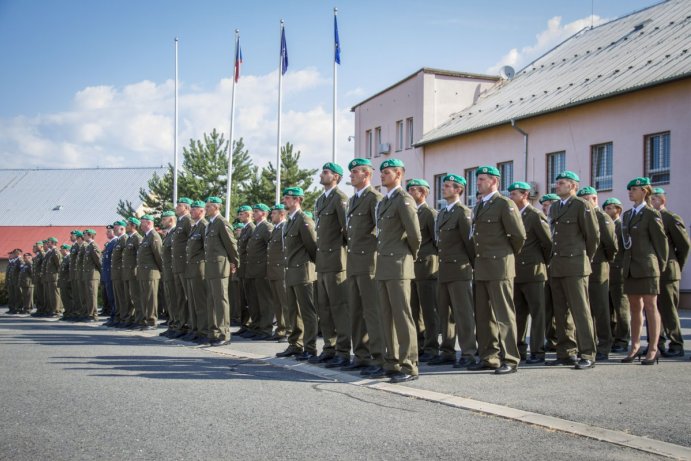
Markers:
point(232, 122)
point(175, 136)
point(280, 103)
point(335, 64)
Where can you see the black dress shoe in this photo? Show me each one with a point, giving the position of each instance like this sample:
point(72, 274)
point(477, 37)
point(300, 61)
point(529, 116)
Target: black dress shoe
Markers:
point(426, 357)
point(401, 377)
point(601, 357)
point(202, 341)
point(289, 352)
point(442, 360)
point(354, 365)
point(533, 359)
point(305, 356)
point(165, 333)
point(584, 364)
point(479, 366)
point(179, 334)
point(247, 334)
point(241, 330)
point(569, 361)
point(321, 358)
point(464, 362)
point(261, 337)
point(378, 373)
point(550, 348)
point(505, 370)
point(188, 337)
point(218, 342)
point(337, 362)
point(619, 348)
point(672, 353)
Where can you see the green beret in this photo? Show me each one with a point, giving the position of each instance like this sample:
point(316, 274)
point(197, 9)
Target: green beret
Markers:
point(261, 206)
point(293, 192)
point(168, 214)
point(147, 217)
point(359, 162)
point(612, 201)
point(549, 198)
point(90, 232)
point(391, 163)
point(309, 214)
point(215, 200)
point(336, 168)
point(39, 243)
point(242, 208)
point(417, 182)
point(568, 175)
point(279, 206)
point(587, 190)
point(65, 246)
point(185, 200)
point(658, 191)
point(455, 178)
point(120, 222)
point(133, 220)
point(53, 240)
point(198, 204)
point(77, 233)
point(488, 169)
point(238, 225)
point(520, 185)
point(638, 182)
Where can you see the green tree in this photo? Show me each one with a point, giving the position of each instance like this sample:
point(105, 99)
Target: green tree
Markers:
point(203, 172)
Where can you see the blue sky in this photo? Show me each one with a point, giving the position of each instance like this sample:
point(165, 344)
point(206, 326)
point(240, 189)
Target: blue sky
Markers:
point(89, 83)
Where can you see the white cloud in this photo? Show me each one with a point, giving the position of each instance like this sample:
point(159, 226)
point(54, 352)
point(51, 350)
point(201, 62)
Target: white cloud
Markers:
point(133, 125)
point(544, 41)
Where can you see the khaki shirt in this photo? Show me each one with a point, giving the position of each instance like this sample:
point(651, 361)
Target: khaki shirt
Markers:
point(257, 247)
point(330, 222)
point(454, 244)
point(149, 257)
point(575, 238)
point(361, 221)
point(220, 249)
point(299, 249)
point(275, 264)
point(398, 239)
point(531, 262)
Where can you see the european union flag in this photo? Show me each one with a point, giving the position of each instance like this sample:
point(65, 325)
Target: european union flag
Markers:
point(337, 42)
point(284, 52)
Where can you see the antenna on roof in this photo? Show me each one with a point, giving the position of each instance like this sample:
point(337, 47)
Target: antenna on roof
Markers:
point(506, 72)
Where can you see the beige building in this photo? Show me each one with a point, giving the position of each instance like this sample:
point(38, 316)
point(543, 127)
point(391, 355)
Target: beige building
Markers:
point(610, 103)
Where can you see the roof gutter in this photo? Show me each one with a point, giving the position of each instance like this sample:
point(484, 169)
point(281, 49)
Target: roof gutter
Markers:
point(525, 147)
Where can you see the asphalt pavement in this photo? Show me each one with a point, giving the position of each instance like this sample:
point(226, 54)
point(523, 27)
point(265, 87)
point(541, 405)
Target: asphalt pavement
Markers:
point(78, 391)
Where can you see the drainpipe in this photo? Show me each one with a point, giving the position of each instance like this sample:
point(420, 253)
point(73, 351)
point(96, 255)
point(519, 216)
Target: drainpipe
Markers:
point(525, 147)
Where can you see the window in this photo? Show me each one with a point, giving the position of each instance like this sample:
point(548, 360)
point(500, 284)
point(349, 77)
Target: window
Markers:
point(601, 166)
point(657, 158)
point(377, 141)
point(471, 187)
point(439, 200)
point(409, 133)
point(399, 135)
point(506, 171)
point(556, 163)
point(368, 144)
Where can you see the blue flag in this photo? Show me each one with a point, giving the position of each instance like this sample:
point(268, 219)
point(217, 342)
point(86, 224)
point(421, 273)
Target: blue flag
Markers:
point(337, 42)
point(284, 52)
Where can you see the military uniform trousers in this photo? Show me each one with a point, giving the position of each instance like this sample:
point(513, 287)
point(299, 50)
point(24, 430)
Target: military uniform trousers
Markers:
point(529, 299)
point(26, 295)
point(261, 304)
point(365, 317)
point(495, 318)
point(178, 306)
point(218, 309)
point(302, 316)
point(110, 297)
point(243, 306)
point(52, 294)
point(667, 302)
point(66, 298)
point(598, 296)
point(457, 317)
point(235, 297)
point(77, 298)
point(131, 300)
point(400, 336)
point(424, 306)
point(620, 313)
point(91, 298)
point(168, 284)
point(570, 296)
point(39, 300)
point(334, 313)
point(148, 314)
point(198, 304)
point(280, 307)
point(119, 287)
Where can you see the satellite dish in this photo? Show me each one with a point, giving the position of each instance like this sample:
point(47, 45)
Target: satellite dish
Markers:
point(507, 72)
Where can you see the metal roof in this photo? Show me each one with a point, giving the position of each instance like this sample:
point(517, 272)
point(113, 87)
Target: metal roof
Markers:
point(69, 197)
point(24, 237)
point(643, 49)
point(428, 70)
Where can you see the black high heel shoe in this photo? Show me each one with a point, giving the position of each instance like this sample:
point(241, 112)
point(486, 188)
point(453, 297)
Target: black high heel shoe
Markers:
point(632, 357)
point(652, 361)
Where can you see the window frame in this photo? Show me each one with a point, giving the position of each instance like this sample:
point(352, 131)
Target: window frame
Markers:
point(399, 135)
point(504, 181)
point(368, 144)
point(410, 138)
point(439, 190)
point(596, 179)
point(551, 181)
point(666, 171)
point(471, 186)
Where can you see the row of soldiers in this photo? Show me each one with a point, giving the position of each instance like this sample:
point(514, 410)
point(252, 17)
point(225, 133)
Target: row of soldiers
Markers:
point(378, 273)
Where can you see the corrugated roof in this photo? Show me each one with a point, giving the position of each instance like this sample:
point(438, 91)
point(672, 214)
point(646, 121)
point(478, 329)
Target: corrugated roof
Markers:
point(24, 237)
point(643, 49)
point(83, 196)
